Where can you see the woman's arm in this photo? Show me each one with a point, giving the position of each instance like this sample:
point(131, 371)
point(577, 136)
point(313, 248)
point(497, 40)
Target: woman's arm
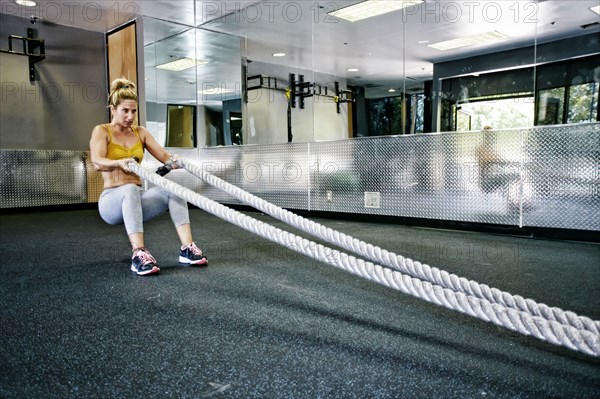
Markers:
point(153, 147)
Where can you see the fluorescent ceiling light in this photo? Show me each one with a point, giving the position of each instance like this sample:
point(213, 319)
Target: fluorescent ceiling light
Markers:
point(352, 69)
point(278, 54)
point(181, 64)
point(371, 8)
point(596, 9)
point(473, 40)
point(26, 3)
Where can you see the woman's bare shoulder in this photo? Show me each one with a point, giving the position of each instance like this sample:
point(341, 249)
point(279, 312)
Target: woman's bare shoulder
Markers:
point(142, 130)
point(100, 132)
point(100, 129)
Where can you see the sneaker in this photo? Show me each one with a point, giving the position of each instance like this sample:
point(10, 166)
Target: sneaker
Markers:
point(143, 263)
point(192, 255)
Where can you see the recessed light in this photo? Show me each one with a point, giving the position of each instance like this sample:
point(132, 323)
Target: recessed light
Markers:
point(371, 8)
point(181, 64)
point(26, 3)
point(352, 69)
point(278, 54)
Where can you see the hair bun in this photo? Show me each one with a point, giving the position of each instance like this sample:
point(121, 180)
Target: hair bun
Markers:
point(121, 83)
point(121, 89)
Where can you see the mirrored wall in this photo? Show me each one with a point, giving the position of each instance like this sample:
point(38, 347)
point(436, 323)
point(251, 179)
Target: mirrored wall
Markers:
point(298, 71)
point(192, 84)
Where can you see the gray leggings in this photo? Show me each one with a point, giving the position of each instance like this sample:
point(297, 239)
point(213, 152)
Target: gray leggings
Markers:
point(130, 205)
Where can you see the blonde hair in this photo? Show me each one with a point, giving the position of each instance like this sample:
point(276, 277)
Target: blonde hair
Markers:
point(121, 89)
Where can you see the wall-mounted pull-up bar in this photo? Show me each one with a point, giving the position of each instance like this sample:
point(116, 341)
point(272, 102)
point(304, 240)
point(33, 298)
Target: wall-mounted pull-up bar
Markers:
point(299, 89)
point(30, 45)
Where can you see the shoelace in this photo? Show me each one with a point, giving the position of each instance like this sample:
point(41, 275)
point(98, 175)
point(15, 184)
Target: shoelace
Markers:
point(145, 256)
point(194, 249)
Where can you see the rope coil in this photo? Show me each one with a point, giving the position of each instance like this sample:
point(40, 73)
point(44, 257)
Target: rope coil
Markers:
point(514, 319)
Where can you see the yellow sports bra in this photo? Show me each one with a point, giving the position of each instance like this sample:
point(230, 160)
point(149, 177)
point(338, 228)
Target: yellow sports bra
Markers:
point(117, 151)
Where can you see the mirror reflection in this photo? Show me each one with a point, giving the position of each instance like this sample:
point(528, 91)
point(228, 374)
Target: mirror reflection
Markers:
point(192, 70)
point(181, 125)
point(276, 72)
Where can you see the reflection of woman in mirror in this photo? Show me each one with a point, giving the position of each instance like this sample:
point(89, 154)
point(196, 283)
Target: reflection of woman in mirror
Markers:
point(112, 147)
point(491, 176)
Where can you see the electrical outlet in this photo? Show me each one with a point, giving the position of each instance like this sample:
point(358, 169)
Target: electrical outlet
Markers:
point(372, 199)
point(329, 195)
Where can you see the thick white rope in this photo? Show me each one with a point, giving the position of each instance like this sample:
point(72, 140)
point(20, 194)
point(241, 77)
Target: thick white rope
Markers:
point(547, 330)
point(398, 262)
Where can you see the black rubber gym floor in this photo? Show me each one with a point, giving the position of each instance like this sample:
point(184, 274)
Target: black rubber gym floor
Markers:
point(262, 321)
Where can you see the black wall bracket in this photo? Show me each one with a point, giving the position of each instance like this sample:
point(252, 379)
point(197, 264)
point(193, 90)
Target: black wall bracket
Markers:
point(299, 89)
point(341, 96)
point(30, 45)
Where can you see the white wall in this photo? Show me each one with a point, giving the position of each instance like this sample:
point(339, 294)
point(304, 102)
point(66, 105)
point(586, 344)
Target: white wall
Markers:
point(266, 119)
point(329, 125)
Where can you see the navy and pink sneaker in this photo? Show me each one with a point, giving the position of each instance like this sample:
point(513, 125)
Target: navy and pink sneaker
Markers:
point(143, 263)
point(192, 255)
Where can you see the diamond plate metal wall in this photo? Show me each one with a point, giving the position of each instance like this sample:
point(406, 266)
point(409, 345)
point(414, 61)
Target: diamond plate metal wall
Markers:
point(434, 176)
point(278, 173)
point(32, 178)
point(217, 165)
point(179, 176)
point(539, 177)
point(561, 177)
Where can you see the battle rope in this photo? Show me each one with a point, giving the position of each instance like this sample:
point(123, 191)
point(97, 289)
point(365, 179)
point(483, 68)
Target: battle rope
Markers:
point(398, 262)
point(516, 320)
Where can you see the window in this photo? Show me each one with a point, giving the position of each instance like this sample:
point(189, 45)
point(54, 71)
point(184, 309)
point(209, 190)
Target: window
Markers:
point(553, 93)
point(503, 113)
point(551, 104)
point(583, 103)
point(385, 116)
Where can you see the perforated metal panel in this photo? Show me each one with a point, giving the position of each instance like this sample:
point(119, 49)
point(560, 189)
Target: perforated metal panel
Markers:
point(541, 177)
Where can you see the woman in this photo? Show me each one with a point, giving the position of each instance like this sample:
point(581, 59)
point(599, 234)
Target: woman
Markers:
point(112, 147)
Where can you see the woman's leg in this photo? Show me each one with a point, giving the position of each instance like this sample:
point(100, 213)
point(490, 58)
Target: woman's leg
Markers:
point(126, 205)
point(184, 232)
point(154, 202)
point(123, 205)
point(136, 240)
